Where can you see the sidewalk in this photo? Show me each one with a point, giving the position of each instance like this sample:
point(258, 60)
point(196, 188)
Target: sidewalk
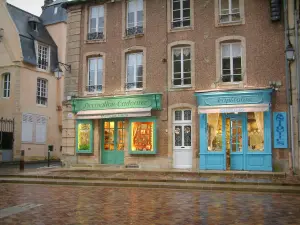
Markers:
point(174, 179)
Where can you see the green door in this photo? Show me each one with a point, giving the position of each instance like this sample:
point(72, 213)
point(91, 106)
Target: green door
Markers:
point(112, 149)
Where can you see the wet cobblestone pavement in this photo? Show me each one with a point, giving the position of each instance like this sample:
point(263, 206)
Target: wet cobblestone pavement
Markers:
point(97, 205)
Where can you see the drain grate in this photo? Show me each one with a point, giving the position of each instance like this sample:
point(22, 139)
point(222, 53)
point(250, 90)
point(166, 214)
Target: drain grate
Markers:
point(17, 209)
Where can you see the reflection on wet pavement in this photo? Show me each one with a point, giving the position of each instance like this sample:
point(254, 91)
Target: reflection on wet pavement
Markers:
point(98, 205)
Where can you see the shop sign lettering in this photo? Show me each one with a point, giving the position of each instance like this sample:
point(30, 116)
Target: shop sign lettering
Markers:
point(234, 100)
point(280, 130)
point(122, 102)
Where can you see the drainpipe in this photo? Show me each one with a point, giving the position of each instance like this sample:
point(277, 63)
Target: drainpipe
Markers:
point(296, 16)
point(288, 85)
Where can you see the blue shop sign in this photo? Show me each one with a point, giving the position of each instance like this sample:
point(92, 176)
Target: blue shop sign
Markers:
point(280, 130)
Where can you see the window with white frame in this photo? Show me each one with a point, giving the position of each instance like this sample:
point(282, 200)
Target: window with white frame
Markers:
point(134, 70)
point(43, 57)
point(181, 58)
point(231, 62)
point(42, 92)
point(181, 13)
point(96, 23)
point(135, 17)
point(95, 74)
point(34, 128)
point(229, 11)
point(6, 85)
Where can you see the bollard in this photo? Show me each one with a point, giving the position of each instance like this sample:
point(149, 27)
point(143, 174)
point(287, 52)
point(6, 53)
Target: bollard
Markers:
point(50, 149)
point(22, 160)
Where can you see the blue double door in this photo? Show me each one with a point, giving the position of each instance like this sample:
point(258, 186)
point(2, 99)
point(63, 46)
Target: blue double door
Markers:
point(235, 141)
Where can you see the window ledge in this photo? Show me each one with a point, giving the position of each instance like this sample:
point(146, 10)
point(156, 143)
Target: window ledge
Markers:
point(133, 36)
point(92, 94)
point(6, 98)
point(133, 91)
point(231, 84)
point(228, 24)
point(178, 29)
point(42, 106)
point(94, 41)
point(182, 88)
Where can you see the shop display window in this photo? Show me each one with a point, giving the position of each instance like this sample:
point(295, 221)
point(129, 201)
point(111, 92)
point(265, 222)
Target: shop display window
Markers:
point(142, 136)
point(255, 126)
point(84, 136)
point(214, 132)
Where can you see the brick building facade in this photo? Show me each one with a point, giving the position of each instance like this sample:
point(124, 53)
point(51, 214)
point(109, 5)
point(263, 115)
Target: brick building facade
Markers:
point(175, 84)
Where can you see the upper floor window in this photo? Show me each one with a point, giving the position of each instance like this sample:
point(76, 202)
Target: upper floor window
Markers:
point(231, 62)
point(42, 92)
point(6, 85)
point(135, 17)
point(95, 74)
point(43, 57)
point(229, 11)
point(96, 24)
point(181, 58)
point(134, 70)
point(181, 13)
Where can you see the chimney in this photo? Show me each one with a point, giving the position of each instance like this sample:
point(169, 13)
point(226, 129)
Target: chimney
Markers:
point(46, 3)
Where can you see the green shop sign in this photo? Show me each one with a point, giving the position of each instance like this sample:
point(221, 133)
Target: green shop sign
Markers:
point(119, 102)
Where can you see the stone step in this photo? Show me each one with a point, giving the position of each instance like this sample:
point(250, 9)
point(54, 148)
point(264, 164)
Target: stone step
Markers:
point(178, 179)
point(168, 185)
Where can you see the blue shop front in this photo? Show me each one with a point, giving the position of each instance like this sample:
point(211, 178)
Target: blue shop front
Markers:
point(235, 130)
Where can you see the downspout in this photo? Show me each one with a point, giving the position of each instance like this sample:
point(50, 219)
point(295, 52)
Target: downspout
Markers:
point(296, 16)
point(288, 84)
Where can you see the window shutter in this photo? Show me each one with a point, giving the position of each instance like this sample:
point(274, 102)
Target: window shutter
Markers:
point(27, 128)
point(41, 129)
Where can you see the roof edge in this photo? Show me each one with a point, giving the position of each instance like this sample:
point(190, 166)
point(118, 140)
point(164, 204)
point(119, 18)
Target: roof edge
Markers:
point(67, 4)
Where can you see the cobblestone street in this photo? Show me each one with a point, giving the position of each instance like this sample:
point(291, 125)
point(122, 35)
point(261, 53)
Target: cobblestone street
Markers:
point(97, 205)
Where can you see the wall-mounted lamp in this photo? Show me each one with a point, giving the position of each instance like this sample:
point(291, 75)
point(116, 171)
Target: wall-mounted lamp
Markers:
point(58, 71)
point(1, 33)
point(290, 53)
point(275, 84)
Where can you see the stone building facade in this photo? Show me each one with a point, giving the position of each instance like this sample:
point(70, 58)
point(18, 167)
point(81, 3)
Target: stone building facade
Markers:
point(175, 84)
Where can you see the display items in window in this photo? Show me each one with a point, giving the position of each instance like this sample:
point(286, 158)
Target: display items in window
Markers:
point(255, 128)
point(214, 132)
point(142, 136)
point(84, 133)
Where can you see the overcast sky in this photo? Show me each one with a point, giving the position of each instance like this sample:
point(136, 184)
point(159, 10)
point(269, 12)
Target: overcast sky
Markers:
point(32, 6)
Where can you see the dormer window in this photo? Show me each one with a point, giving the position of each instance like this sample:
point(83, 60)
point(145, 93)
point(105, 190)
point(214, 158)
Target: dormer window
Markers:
point(34, 26)
point(43, 57)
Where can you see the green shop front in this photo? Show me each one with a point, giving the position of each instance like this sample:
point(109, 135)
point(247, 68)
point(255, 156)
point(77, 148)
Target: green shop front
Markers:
point(124, 124)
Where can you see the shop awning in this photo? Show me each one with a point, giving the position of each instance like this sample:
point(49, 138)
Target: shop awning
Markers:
point(233, 108)
point(114, 113)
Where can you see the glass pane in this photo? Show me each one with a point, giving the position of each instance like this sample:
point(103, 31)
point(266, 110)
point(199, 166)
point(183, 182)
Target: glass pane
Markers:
point(186, 13)
point(186, 4)
point(236, 50)
point(225, 51)
point(237, 65)
point(226, 64)
point(187, 136)
point(236, 136)
point(178, 135)
point(130, 74)
point(224, 4)
point(255, 126)
point(177, 82)
point(187, 66)
point(109, 136)
point(214, 132)
point(186, 53)
point(176, 15)
point(92, 78)
point(176, 5)
point(235, 4)
point(140, 16)
point(177, 66)
point(237, 78)
point(84, 137)
point(100, 24)
point(187, 115)
point(112, 125)
point(187, 81)
point(94, 12)
point(176, 54)
point(178, 115)
point(130, 18)
point(142, 136)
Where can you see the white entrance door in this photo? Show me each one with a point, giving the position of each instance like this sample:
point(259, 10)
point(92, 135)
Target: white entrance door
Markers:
point(182, 139)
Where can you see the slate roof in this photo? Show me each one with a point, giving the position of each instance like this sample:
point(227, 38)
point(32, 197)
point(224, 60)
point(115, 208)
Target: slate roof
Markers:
point(48, 17)
point(22, 20)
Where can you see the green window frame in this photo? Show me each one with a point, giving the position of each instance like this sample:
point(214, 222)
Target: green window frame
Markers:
point(154, 136)
point(89, 147)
